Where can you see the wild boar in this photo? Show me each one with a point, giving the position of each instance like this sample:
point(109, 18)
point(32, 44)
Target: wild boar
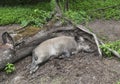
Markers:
point(55, 47)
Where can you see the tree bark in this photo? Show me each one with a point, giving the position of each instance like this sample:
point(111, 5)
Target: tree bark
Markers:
point(66, 8)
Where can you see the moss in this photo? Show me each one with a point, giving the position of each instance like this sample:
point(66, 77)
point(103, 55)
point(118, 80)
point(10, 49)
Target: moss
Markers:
point(27, 32)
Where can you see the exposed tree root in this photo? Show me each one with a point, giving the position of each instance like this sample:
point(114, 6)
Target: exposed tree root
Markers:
point(95, 38)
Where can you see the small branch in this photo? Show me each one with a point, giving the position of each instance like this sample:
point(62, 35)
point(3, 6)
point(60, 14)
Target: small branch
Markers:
point(111, 50)
point(114, 52)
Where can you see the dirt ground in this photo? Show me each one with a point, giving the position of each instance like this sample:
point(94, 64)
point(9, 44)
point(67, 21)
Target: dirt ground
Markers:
point(83, 68)
point(106, 30)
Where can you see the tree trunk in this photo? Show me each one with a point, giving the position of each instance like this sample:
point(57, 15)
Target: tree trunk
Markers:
point(66, 8)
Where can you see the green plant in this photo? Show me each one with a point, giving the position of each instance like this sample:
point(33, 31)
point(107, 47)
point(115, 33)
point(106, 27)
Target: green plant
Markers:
point(77, 17)
point(118, 82)
point(38, 18)
point(80, 11)
point(106, 51)
point(113, 45)
point(91, 7)
point(52, 4)
point(20, 14)
point(9, 68)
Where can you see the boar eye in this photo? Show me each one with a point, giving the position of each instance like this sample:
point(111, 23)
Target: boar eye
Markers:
point(36, 58)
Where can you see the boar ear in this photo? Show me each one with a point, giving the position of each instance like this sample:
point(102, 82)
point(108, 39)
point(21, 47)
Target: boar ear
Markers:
point(36, 57)
point(79, 39)
point(8, 40)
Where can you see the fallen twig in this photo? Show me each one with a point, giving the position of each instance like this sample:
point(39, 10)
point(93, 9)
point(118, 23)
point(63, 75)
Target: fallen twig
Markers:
point(111, 50)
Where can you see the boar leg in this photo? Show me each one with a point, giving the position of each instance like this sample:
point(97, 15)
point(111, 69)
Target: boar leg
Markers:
point(64, 54)
point(33, 69)
point(88, 50)
point(33, 66)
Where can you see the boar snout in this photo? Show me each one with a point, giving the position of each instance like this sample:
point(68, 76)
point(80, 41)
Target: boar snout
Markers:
point(33, 68)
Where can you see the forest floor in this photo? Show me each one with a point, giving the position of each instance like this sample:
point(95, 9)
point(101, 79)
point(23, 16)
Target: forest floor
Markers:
point(83, 68)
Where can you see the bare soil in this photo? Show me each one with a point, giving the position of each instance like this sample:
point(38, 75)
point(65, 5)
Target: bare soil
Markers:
point(106, 30)
point(83, 68)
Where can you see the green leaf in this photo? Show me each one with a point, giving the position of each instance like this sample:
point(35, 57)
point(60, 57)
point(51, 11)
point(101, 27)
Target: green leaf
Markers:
point(24, 23)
